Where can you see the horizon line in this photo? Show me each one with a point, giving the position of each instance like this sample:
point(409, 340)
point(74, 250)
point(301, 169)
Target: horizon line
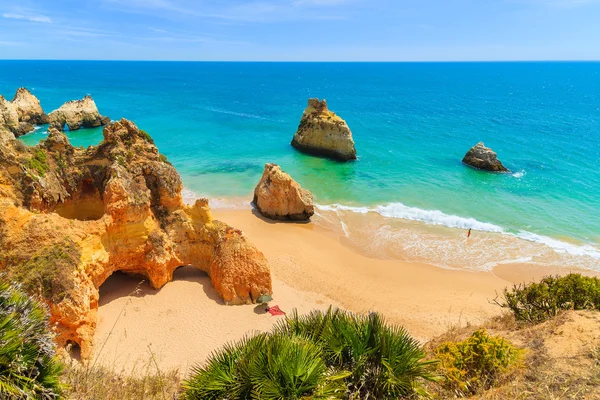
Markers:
point(306, 61)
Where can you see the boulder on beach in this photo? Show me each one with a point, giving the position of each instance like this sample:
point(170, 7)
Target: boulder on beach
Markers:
point(77, 114)
point(29, 108)
point(323, 133)
point(483, 158)
point(278, 196)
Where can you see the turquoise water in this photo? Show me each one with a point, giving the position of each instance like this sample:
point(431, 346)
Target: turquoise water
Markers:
point(218, 123)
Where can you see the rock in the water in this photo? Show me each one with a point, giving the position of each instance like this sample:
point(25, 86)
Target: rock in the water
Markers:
point(278, 196)
point(29, 108)
point(70, 217)
point(484, 158)
point(9, 118)
point(323, 133)
point(77, 114)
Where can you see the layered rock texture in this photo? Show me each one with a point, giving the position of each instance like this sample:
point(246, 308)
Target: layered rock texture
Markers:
point(70, 217)
point(323, 133)
point(29, 108)
point(19, 116)
point(77, 114)
point(484, 158)
point(278, 196)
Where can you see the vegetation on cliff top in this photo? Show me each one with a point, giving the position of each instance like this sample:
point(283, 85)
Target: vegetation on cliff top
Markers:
point(538, 301)
point(28, 368)
point(49, 272)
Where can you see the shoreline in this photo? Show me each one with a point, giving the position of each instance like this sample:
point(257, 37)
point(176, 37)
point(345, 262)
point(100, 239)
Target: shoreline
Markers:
point(181, 324)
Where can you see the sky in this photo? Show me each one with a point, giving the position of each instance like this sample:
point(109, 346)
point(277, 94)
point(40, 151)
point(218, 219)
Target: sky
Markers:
point(301, 30)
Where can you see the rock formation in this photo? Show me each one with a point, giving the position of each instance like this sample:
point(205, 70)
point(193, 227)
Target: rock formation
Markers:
point(70, 217)
point(484, 158)
point(29, 108)
point(278, 196)
point(9, 118)
point(323, 133)
point(77, 114)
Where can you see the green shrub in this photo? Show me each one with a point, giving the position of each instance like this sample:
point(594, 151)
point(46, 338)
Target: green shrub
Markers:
point(38, 162)
point(164, 159)
point(28, 367)
point(146, 136)
point(322, 355)
point(49, 272)
point(477, 363)
point(537, 302)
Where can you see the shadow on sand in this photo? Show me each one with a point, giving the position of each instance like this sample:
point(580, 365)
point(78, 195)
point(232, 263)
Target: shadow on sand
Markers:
point(120, 285)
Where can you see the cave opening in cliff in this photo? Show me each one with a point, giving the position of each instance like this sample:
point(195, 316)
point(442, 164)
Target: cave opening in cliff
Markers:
point(74, 350)
point(85, 204)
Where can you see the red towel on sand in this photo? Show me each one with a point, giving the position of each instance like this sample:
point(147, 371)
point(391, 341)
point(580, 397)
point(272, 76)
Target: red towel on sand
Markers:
point(275, 310)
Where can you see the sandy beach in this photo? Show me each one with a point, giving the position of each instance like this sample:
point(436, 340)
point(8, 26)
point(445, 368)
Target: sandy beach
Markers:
point(181, 324)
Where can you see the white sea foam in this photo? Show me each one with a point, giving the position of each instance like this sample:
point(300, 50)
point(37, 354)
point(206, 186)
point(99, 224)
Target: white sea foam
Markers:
point(433, 217)
point(519, 174)
point(560, 246)
point(436, 217)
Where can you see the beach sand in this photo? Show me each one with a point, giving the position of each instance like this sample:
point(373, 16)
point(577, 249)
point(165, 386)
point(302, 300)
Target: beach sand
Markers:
point(180, 325)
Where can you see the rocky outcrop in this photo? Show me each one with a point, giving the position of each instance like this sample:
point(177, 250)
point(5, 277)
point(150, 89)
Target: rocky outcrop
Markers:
point(323, 133)
point(484, 158)
point(9, 118)
point(28, 108)
point(77, 114)
point(278, 196)
point(70, 217)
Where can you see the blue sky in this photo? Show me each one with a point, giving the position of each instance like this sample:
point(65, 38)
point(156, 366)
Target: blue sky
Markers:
point(301, 30)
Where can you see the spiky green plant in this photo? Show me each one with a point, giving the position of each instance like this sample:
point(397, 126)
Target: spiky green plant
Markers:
point(329, 355)
point(28, 367)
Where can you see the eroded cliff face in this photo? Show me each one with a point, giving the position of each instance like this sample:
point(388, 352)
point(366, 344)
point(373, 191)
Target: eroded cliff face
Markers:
point(19, 116)
point(29, 108)
point(323, 133)
point(77, 114)
point(70, 217)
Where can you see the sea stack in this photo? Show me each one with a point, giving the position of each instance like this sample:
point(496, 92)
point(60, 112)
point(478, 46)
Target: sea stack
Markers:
point(483, 158)
point(278, 196)
point(77, 114)
point(71, 217)
point(323, 133)
point(28, 108)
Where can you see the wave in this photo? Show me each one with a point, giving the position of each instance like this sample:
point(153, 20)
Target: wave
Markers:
point(560, 246)
point(432, 217)
point(189, 197)
point(436, 217)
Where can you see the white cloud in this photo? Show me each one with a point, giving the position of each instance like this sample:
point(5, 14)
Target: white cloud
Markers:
point(31, 18)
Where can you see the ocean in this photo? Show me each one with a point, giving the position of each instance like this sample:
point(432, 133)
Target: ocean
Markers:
point(408, 195)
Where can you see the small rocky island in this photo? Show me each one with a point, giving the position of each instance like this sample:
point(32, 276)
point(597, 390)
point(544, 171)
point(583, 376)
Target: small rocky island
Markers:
point(77, 114)
point(21, 114)
point(323, 133)
point(70, 217)
point(277, 196)
point(483, 158)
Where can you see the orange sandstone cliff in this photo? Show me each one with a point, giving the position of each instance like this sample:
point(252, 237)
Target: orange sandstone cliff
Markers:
point(70, 217)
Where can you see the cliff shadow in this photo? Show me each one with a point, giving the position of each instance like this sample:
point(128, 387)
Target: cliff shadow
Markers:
point(257, 214)
point(189, 273)
point(120, 285)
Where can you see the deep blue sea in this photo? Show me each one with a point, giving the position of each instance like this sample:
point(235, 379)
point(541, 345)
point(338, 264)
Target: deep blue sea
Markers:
point(219, 123)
